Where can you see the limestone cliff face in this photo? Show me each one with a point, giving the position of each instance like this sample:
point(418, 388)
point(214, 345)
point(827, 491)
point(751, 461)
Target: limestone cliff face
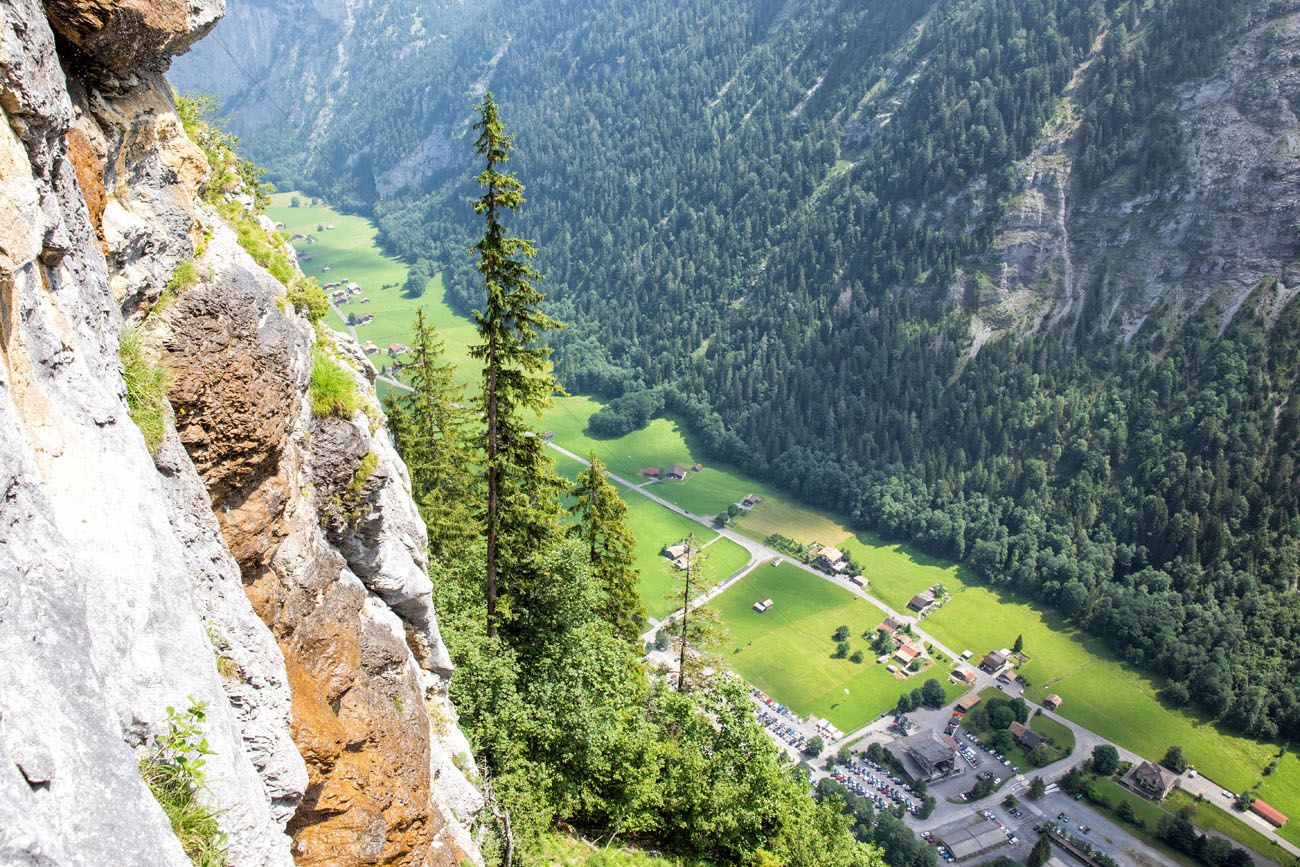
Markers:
point(261, 560)
point(1219, 228)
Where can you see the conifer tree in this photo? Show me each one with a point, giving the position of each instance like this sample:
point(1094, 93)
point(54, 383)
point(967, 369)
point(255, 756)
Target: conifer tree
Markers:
point(431, 427)
point(603, 528)
point(696, 629)
point(522, 508)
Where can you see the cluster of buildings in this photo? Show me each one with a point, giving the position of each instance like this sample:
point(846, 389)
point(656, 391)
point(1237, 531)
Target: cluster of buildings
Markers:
point(905, 653)
point(677, 555)
point(675, 473)
point(343, 292)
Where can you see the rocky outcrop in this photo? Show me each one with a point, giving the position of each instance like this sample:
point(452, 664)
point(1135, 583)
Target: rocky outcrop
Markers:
point(259, 560)
point(320, 516)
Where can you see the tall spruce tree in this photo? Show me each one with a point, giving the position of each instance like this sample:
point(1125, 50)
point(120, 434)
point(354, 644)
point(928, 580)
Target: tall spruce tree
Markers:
point(696, 629)
point(603, 529)
point(522, 508)
point(432, 428)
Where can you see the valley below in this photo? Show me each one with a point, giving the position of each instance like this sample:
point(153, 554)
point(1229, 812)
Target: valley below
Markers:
point(789, 655)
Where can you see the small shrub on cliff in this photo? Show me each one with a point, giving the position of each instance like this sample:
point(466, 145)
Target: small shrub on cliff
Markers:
point(308, 298)
point(146, 388)
point(265, 252)
point(173, 770)
point(333, 391)
point(185, 275)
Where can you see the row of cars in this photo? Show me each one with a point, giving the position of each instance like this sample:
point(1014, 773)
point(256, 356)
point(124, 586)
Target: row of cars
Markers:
point(889, 789)
point(940, 849)
point(777, 719)
point(992, 752)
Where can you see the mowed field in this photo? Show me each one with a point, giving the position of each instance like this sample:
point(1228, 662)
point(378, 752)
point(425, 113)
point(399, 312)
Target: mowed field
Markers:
point(787, 651)
point(1100, 693)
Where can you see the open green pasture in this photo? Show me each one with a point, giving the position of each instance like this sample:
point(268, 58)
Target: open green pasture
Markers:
point(787, 651)
point(350, 252)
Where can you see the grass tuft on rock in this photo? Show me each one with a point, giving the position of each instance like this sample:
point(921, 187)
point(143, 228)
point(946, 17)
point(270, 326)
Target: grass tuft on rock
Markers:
point(173, 770)
point(333, 390)
point(146, 388)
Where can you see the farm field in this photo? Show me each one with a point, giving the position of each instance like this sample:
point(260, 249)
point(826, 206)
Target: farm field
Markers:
point(1099, 692)
point(787, 650)
point(654, 527)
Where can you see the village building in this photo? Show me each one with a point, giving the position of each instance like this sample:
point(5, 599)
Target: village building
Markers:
point(858, 580)
point(968, 701)
point(995, 661)
point(965, 675)
point(1150, 780)
point(698, 468)
point(1052, 702)
point(973, 840)
point(926, 756)
point(396, 349)
point(1025, 736)
point(676, 473)
point(1268, 814)
point(762, 605)
point(673, 552)
point(751, 500)
point(650, 472)
point(906, 653)
point(830, 558)
point(889, 626)
point(921, 601)
point(369, 348)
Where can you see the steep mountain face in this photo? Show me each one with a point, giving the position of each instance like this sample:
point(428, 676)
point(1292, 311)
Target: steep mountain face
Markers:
point(1013, 280)
point(256, 558)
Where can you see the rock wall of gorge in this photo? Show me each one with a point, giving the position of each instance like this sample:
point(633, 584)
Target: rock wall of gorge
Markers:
point(259, 559)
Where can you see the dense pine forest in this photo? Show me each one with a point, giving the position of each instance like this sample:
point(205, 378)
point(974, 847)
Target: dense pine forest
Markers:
point(777, 219)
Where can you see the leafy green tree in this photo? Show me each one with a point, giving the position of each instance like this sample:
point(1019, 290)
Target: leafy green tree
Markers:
point(1125, 811)
point(932, 694)
point(1174, 759)
point(522, 509)
point(856, 656)
point(814, 746)
point(1105, 760)
point(610, 545)
point(1042, 851)
point(841, 649)
point(1037, 788)
point(432, 430)
point(841, 634)
point(695, 628)
point(1011, 802)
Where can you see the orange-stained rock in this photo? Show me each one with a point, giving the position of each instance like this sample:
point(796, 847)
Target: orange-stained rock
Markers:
point(239, 370)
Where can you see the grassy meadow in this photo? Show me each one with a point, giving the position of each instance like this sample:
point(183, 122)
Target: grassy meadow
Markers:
point(787, 651)
point(1098, 691)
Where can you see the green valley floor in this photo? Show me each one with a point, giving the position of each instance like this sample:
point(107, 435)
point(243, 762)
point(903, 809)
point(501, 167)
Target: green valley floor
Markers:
point(786, 651)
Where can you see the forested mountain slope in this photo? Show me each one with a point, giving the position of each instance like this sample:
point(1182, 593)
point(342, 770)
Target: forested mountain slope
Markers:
point(1011, 279)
